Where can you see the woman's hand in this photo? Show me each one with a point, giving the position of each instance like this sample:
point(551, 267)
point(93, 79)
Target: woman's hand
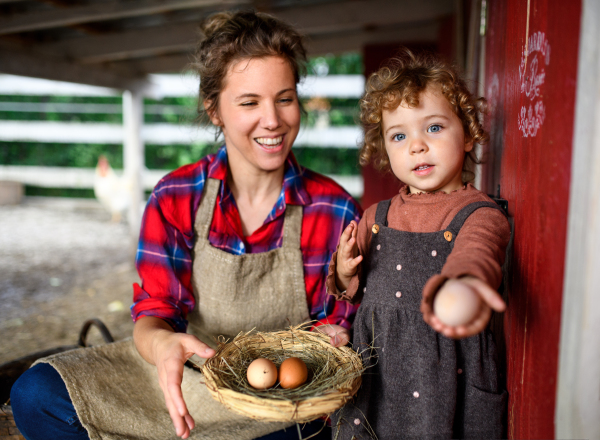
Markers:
point(339, 335)
point(490, 299)
point(161, 346)
point(347, 257)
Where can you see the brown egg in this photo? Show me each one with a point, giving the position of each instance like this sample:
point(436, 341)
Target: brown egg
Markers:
point(262, 373)
point(292, 373)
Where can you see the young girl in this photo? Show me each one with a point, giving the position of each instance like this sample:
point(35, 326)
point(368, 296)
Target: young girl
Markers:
point(438, 235)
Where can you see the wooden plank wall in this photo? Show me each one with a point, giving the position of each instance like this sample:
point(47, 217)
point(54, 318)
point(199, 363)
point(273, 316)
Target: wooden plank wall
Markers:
point(530, 83)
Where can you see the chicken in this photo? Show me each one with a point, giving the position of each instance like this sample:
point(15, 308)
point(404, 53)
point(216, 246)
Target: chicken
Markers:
point(111, 190)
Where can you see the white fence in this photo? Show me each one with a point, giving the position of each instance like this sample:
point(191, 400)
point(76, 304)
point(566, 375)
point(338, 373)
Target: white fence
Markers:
point(340, 86)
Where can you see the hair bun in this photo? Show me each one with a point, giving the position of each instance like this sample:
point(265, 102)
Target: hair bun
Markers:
point(212, 24)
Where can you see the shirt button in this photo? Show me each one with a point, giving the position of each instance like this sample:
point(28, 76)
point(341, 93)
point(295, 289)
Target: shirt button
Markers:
point(399, 267)
point(398, 294)
point(433, 253)
point(416, 394)
point(375, 228)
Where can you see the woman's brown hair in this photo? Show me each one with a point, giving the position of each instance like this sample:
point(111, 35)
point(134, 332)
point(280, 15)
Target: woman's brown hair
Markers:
point(402, 80)
point(232, 36)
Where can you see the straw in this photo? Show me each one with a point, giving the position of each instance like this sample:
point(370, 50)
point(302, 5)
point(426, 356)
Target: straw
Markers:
point(334, 375)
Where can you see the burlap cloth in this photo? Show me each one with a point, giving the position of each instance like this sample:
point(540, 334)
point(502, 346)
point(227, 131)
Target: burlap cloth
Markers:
point(116, 392)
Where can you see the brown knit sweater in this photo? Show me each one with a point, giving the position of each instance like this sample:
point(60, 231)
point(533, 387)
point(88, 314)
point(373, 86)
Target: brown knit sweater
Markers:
point(479, 248)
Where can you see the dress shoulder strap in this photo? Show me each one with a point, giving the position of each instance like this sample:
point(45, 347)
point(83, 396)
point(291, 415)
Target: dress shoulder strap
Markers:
point(460, 218)
point(382, 211)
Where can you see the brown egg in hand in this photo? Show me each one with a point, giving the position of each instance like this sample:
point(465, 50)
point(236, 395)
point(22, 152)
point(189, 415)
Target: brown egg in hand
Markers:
point(262, 374)
point(292, 373)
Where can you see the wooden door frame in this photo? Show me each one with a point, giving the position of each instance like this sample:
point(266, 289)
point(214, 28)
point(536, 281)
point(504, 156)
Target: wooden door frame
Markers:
point(578, 391)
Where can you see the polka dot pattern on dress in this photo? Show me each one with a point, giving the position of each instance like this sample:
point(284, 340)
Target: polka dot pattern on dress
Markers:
point(357, 421)
point(399, 267)
point(378, 247)
point(433, 253)
point(416, 394)
point(398, 294)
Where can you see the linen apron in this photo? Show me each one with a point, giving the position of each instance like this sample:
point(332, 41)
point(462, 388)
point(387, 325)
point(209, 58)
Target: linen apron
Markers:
point(419, 383)
point(116, 392)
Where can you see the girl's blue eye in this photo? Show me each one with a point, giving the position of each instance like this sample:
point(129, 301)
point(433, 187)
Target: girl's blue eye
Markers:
point(399, 137)
point(434, 128)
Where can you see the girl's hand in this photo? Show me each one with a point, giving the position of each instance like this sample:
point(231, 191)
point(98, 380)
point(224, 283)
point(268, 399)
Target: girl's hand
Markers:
point(347, 257)
point(490, 299)
point(339, 335)
point(161, 346)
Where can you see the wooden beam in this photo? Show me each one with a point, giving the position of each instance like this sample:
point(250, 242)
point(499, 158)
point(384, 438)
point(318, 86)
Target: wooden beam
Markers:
point(316, 21)
point(31, 64)
point(174, 63)
point(318, 45)
point(354, 41)
point(360, 14)
point(99, 11)
point(133, 158)
point(130, 44)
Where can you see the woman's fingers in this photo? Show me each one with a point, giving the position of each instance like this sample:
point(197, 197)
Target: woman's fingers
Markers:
point(182, 429)
point(339, 335)
point(194, 345)
point(174, 377)
point(179, 422)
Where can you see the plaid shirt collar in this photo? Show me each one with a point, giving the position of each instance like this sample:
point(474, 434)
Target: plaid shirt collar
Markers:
point(293, 191)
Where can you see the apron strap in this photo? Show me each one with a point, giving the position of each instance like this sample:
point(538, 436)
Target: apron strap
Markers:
point(292, 227)
point(206, 209)
point(458, 220)
point(382, 211)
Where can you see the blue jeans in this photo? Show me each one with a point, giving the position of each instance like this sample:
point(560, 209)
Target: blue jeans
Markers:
point(42, 407)
point(43, 410)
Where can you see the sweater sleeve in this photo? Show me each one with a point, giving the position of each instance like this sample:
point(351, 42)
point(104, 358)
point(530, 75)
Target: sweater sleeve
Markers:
point(479, 251)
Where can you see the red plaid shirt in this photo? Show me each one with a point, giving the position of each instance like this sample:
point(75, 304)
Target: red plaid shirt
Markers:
point(164, 259)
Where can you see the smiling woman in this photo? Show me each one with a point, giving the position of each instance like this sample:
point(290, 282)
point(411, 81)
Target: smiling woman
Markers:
point(239, 240)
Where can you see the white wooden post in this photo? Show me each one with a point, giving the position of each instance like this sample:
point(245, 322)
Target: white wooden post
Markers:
point(578, 390)
point(133, 157)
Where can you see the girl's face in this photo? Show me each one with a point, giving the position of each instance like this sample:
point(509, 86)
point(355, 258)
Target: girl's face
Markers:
point(426, 144)
point(259, 113)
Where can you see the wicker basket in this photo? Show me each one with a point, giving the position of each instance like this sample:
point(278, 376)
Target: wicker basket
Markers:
point(334, 375)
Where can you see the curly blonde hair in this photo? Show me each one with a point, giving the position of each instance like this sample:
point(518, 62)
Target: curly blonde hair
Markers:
point(402, 81)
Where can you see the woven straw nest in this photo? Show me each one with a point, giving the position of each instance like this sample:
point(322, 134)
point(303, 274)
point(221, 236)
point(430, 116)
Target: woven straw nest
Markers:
point(334, 375)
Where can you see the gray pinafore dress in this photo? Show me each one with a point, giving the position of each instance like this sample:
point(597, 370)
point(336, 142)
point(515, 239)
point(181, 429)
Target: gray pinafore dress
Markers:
point(419, 384)
point(116, 392)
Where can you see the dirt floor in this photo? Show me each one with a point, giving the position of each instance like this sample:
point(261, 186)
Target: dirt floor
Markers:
point(61, 263)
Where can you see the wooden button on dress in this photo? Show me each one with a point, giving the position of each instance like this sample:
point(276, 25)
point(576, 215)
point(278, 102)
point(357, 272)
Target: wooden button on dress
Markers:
point(375, 228)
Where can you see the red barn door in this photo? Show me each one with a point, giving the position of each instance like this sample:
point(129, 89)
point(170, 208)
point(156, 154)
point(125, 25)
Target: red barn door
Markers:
point(530, 83)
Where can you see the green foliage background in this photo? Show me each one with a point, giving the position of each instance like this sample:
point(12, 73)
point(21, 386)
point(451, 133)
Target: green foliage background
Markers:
point(342, 112)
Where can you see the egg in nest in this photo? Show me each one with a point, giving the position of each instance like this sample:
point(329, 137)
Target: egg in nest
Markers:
point(262, 374)
point(292, 373)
